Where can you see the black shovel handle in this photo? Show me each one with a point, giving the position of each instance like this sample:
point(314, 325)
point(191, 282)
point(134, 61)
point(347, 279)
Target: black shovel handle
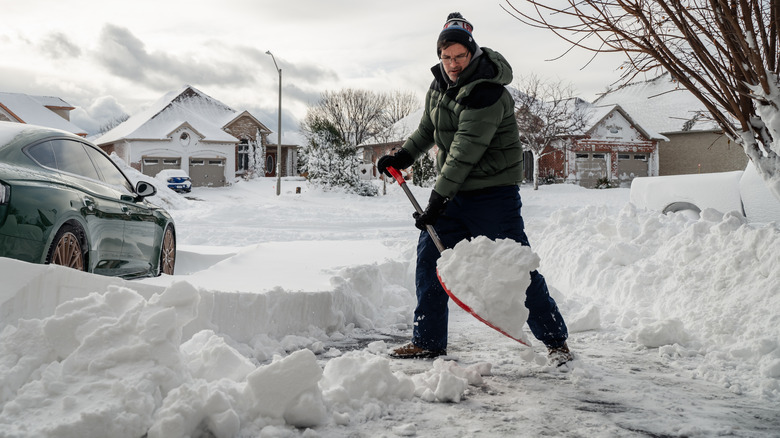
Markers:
point(402, 182)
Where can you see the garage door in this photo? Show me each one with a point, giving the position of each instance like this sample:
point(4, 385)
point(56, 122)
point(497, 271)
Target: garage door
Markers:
point(151, 166)
point(591, 167)
point(207, 172)
point(631, 166)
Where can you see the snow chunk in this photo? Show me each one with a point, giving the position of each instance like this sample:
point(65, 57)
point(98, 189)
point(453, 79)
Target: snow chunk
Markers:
point(491, 278)
point(447, 381)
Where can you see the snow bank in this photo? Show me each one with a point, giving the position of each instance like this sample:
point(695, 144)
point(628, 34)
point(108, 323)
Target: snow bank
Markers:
point(490, 277)
point(705, 287)
point(115, 362)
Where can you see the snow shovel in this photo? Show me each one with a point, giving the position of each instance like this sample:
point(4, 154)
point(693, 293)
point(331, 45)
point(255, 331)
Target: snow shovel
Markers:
point(435, 237)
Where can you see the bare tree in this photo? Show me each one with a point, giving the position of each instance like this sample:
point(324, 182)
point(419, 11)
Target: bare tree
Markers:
point(399, 105)
point(725, 52)
point(547, 115)
point(361, 115)
point(355, 114)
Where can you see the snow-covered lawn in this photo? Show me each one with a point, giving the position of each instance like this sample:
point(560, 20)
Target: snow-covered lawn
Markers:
point(282, 310)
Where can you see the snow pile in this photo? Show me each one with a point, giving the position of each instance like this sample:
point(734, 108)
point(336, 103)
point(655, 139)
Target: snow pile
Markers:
point(490, 277)
point(115, 362)
point(447, 381)
point(704, 287)
point(103, 362)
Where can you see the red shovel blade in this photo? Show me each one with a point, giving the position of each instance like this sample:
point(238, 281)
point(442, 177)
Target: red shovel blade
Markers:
point(468, 309)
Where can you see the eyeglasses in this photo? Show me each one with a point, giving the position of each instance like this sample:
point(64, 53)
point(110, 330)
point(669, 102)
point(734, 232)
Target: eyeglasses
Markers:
point(456, 59)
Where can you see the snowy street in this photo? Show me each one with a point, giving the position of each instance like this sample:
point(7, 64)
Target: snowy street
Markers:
point(279, 318)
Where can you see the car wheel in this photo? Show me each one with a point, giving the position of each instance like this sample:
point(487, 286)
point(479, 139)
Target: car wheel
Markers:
point(66, 248)
point(168, 251)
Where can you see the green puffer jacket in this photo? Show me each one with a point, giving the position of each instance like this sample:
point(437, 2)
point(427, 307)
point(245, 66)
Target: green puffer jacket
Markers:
point(473, 124)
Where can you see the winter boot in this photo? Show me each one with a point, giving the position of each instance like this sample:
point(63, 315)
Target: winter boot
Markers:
point(411, 351)
point(559, 355)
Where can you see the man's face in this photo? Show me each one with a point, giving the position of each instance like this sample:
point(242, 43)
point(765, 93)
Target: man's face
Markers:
point(454, 59)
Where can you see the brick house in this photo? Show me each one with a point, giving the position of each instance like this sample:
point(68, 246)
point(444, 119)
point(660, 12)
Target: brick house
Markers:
point(189, 130)
point(612, 146)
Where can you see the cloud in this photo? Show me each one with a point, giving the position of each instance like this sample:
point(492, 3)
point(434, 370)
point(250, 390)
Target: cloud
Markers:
point(126, 56)
point(104, 110)
point(58, 45)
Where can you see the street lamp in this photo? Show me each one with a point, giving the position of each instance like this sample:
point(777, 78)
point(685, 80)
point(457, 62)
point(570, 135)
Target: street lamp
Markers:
point(279, 131)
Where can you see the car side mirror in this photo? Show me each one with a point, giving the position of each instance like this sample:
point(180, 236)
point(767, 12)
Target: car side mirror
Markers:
point(143, 189)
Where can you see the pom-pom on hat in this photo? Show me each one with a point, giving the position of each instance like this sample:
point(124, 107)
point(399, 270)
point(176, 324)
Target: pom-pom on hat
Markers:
point(457, 30)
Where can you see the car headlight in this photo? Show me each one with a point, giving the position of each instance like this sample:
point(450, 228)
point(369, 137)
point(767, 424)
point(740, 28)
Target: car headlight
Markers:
point(5, 193)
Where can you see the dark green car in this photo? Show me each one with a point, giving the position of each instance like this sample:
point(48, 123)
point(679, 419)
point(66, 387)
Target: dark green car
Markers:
point(64, 201)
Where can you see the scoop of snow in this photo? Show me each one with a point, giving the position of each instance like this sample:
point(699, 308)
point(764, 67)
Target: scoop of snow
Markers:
point(490, 277)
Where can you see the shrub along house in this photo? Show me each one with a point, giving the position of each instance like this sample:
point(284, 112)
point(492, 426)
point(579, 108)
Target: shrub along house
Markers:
point(189, 130)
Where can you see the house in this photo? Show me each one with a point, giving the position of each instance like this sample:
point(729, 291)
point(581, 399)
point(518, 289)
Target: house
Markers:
point(696, 144)
point(612, 146)
point(187, 129)
point(387, 143)
point(48, 111)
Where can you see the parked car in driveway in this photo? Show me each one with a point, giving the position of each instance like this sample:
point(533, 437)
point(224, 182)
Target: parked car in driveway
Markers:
point(177, 180)
point(64, 201)
point(741, 191)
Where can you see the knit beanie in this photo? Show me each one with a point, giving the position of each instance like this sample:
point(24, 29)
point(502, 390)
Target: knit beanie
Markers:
point(457, 30)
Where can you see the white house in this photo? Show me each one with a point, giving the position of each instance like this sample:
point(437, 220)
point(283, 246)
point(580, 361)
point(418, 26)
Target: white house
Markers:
point(48, 111)
point(189, 130)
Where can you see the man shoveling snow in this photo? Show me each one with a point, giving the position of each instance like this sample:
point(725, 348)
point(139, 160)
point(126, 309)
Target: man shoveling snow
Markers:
point(469, 115)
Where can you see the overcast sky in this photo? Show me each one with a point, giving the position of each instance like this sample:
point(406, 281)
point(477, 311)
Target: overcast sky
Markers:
point(102, 56)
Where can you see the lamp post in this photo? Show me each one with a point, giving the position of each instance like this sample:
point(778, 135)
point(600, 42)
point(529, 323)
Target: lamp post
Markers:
point(279, 131)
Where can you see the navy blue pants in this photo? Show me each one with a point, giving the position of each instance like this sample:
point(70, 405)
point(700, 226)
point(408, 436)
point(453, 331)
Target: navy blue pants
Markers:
point(494, 213)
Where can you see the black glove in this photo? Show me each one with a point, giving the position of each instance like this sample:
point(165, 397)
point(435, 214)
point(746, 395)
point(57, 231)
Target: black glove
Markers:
point(436, 206)
point(401, 160)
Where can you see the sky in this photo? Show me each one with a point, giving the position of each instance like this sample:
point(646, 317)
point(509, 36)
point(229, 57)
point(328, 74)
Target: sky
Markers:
point(108, 57)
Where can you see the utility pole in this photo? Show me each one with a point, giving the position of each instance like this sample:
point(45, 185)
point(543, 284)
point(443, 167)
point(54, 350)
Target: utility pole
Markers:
point(279, 131)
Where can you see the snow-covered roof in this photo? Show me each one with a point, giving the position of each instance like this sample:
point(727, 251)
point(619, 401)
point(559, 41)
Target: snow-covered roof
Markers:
point(598, 113)
point(204, 114)
point(35, 110)
point(660, 104)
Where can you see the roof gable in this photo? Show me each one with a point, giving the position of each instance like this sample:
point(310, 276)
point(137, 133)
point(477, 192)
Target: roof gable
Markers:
point(203, 113)
point(609, 121)
point(38, 110)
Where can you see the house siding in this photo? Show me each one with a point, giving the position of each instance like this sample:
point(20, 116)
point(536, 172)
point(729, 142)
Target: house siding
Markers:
point(699, 152)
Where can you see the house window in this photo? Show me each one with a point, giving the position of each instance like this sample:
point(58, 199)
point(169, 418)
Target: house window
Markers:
point(624, 157)
point(640, 157)
point(172, 162)
point(582, 156)
point(243, 155)
point(151, 161)
point(184, 139)
point(598, 156)
point(269, 164)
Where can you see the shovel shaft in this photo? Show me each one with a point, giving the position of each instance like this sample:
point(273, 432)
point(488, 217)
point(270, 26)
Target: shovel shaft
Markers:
point(402, 182)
